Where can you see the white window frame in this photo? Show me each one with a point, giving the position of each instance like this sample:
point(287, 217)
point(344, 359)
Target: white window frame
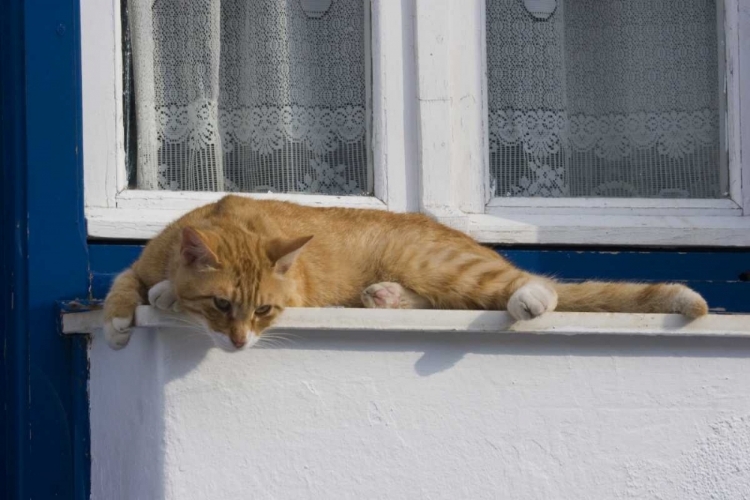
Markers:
point(113, 211)
point(429, 141)
point(454, 151)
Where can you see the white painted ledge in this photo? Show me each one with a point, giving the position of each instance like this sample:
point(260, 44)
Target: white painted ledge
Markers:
point(139, 217)
point(644, 230)
point(143, 214)
point(414, 414)
point(497, 322)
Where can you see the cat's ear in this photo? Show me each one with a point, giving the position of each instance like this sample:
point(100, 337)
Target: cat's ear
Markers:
point(283, 252)
point(195, 250)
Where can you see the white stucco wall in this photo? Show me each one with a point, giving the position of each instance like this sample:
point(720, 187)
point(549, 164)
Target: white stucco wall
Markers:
point(411, 416)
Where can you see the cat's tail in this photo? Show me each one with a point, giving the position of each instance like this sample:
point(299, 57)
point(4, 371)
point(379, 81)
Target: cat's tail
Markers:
point(596, 296)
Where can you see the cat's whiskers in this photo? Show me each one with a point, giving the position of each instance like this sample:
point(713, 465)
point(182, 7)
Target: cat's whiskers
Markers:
point(267, 345)
point(277, 334)
point(269, 342)
point(272, 342)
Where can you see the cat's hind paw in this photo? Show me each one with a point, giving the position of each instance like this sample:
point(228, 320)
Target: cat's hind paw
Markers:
point(531, 300)
point(117, 331)
point(389, 295)
point(162, 296)
point(383, 296)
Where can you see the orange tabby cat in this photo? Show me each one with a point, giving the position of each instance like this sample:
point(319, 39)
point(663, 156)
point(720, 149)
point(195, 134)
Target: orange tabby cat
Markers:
point(234, 265)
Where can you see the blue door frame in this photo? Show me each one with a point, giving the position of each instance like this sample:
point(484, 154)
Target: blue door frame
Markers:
point(45, 256)
point(44, 450)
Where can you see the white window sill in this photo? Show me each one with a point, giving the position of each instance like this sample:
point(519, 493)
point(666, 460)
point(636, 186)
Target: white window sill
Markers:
point(143, 214)
point(593, 229)
point(513, 228)
point(497, 322)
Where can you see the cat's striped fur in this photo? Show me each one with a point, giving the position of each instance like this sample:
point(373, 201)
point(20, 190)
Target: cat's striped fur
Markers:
point(258, 257)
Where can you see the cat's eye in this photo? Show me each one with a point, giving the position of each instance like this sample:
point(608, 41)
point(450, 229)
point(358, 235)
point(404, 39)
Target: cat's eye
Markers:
point(263, 310)
point(222, 305)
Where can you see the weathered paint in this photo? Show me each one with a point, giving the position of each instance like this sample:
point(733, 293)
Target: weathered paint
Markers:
point(417, 416)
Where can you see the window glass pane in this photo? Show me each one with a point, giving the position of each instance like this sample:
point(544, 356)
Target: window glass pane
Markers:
point(251, 95)
point(604, 98)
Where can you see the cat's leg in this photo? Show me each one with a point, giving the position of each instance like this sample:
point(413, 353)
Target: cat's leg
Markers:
point(456, 274)
point(123, 298)
point(162, 296)
point(389, 295)
point(476, 278)
point(486, 281)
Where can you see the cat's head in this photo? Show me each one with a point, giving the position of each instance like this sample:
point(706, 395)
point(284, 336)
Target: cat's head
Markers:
point(234, 282)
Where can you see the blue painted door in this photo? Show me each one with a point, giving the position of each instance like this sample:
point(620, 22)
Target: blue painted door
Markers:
point(44, 254)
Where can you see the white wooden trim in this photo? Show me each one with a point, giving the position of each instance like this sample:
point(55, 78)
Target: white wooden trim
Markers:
point(649, 230)
point(469, 117)
point(188, 200)
point(143, 214)
point(101, 86)
point(138, 221)
point(655, 203)
point(432, 22)
point(733, 96)
point(128, 223)
point(368, 43)
point(721, 43)
point(453, 143)
point(438, 321)
point(744, 101)
point(613, 206)
point(394, 134)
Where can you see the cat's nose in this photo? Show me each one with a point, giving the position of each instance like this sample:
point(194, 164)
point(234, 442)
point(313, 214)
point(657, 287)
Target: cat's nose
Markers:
point(239, 342)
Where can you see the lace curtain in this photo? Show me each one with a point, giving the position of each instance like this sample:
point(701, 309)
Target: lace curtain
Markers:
point(611, 98)
point(251, 95)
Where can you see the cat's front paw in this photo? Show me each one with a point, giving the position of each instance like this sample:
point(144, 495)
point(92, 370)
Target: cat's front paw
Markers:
point(117, 331)
point(162, 296)
point(531, 300)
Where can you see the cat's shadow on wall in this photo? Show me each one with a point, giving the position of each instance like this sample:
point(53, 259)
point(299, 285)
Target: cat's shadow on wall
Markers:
point(442, 351)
